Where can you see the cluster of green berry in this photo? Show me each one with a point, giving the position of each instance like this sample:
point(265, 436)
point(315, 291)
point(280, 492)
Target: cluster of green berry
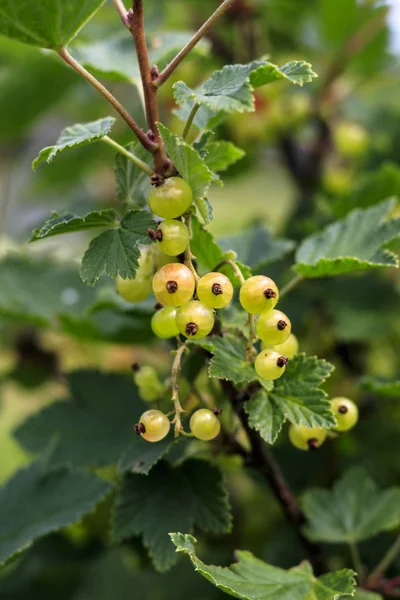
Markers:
point(175, 284)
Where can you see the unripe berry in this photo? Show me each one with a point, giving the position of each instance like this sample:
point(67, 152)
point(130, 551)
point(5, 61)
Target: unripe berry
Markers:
point(288, 348)
point(307, 438)
point(204, 424)
point(194, 319)
point(134, 290)
point(173, 284)
point(172, 237)
point(258, 294)
point(346, 413)
point(273, 327)
point(270, 365)
point(171, 199)
point(164, 324)
point(148, 383)
point(153, 426)
point(215, 290)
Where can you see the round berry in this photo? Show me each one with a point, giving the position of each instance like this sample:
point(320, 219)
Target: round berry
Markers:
point(273, 327)
point(153, 425)
point(173, 284)
point(270, 365)
point(258, 294)
point(307, 438)
point(134, 290)
point(172, 237)
point(288, 348)
point(171, 199)
point(148, 383)
point(346, 413)
point(204, 424)
point(161, 259)
point(215, 290)
point(164, 324)
point(194, 319)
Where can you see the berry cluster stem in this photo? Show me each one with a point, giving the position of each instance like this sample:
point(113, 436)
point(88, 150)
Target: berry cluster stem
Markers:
point(289, 286)
point(189, 121)
point(176, 365)
point(187, 219)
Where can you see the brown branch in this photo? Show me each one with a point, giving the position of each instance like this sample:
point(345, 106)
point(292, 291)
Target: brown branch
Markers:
point(149, 90)
point(140, 134)
point(261, 459)
point(169, 69)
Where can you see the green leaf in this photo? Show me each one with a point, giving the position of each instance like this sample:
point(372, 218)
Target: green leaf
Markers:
point(381, 386)
point(256, 247)
point(364, 595)
point(94, 426)
point(221, 155)
point(353, 244)
point(253, 579)
point(117, 250)
point(39, 500)
point(47, 23)
point(75, 136)
point(229, 358)
point(112, 56)
point(354, 510)
point(68, 223)
point(295, 396)
point(190, 495)
point(132, 184)
point(191, 167)
point(231, 89)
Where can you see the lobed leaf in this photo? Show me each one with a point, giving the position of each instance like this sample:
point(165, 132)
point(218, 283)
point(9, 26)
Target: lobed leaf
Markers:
point(219, 156)
point(117, 250)
point(253, 579)
point(354, 510)
point(39, 499)
point(69, 223)
point(381, 386)
point(352, 244)
point(75, 136)
point(265, 415)
point(190, 495)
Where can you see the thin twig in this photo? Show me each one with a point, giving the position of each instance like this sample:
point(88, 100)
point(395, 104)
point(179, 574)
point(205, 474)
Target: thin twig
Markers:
point(176, 366)
point(289, 286)
point(189, 121)
point(169, 69)
point(129, 155)
point(140, 134)
point(385, 563)
point(123, 13)
point(149, 90)
point(234, 266)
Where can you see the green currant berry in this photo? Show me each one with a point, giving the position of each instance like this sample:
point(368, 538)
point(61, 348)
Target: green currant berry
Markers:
point(194, 319)
point(273, 327)
point(346, 413)
point(148, 383)
point(258, 294)
point(270, 365)
point(172, 237)
point(288, 348)
point(161, 259)
point(307, 438)
point(215, 290)
point(171, 199)
point(134, 290)
point(146, 263)
point(350, 139)
point(153, 426)
point(173, 284)
point(164, 324)
point(204, 424)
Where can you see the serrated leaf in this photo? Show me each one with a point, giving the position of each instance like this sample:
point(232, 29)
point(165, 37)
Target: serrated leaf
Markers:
point(219, 156)
point(265, 415)
point(381, 386)
point(352, 244)
point(354, 510)
point(112, 56)
point(117, 250)
point(69, 223)
point(191, 167)
point(39, 500)
point(75, 136)
point(47, 24)
point(257, 247)
point(231, 89)
point(229, 358)
point(191, 495)
point(139, 458)
point(132, 184)
point(94, 426)
point(253, 579)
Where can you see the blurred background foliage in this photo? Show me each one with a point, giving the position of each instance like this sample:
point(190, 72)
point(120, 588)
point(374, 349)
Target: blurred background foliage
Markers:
point(312, 155)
